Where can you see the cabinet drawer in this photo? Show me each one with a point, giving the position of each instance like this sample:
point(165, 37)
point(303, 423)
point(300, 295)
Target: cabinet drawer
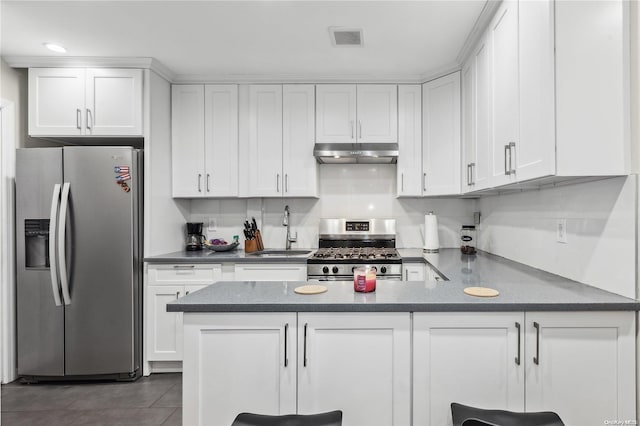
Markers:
point(185, 274)
point(273, 272)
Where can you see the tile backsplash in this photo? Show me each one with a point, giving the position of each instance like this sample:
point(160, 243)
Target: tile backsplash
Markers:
point(351, 191)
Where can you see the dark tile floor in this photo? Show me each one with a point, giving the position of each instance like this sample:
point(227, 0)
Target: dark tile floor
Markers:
point(153, 400)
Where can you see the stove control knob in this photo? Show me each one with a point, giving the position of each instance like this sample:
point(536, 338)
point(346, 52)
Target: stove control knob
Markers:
point(335, 269)
point(383, 269)
point(353, 269)
point(325, 270)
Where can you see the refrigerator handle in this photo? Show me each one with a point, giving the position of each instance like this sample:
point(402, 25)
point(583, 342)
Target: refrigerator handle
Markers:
point(62, 255)
point(55, 204)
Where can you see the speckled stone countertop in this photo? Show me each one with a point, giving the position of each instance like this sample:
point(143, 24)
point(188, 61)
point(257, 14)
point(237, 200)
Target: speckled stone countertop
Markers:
point(521, 288)
point(233, 256)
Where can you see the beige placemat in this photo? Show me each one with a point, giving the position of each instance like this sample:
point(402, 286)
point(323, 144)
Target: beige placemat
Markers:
point(310, 289)
point(481, 291)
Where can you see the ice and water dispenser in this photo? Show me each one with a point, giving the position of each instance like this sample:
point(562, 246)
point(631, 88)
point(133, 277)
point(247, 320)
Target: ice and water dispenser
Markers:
point(36, 238)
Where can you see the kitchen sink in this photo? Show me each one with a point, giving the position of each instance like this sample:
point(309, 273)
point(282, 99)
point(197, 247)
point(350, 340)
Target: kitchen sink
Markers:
point(276, 253)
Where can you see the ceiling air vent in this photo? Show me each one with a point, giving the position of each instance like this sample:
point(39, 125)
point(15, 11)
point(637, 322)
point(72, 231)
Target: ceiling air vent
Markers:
point(346, 36)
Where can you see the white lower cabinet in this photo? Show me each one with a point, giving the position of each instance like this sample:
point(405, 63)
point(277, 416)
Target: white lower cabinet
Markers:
point(413, 271)
point(270, 272)
point(578, 364)
point(358, 363)
point(581, 365)
point(238, 362)
point(355, 362)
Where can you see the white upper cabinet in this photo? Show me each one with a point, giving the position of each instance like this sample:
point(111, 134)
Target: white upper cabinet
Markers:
point(85, 102)
point(278, 146)
point(503, 41)
point(441, 135)
point(204, 140)
point(366, 113)
point(549, 112)
point(409, 141)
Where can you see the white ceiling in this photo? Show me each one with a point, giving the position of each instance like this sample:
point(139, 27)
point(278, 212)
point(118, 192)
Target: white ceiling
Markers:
point(245, 40)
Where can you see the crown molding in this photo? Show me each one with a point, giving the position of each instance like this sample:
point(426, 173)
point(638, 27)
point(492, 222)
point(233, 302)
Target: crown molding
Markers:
point(295, 78)
point(490, 8)
point(86, 62)
point(440, 72)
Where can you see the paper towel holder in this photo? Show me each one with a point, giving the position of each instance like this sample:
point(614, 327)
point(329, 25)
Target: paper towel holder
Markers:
point(431, 240)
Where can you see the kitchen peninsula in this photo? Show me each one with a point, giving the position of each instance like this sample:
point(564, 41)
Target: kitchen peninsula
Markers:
point(401, 355)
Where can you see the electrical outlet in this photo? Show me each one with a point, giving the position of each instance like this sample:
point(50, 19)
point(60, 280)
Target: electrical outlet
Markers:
point(213, 224)
point(561, 231)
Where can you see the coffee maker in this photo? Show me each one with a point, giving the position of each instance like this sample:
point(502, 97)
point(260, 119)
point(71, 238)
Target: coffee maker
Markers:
point(195, 239)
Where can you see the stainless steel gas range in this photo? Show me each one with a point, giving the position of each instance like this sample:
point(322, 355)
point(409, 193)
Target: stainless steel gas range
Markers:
point(347, 243)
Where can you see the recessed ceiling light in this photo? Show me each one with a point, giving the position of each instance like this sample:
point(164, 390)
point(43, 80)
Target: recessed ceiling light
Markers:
point(55, 47)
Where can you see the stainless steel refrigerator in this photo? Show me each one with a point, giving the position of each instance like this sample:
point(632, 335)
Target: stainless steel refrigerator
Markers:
point(79, 262)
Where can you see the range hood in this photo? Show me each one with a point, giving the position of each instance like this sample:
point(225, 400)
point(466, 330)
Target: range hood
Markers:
point(356, 153)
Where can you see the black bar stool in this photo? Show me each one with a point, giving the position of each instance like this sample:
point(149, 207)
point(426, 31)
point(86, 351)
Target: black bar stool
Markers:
point(464, 415)
point(332, 418)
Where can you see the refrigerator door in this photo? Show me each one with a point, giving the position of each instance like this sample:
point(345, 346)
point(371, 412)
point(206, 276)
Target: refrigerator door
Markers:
point(102, 260)
point(40, 322)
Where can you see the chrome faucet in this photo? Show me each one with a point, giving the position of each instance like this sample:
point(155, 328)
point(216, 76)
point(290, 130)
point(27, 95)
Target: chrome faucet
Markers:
point(285, 222)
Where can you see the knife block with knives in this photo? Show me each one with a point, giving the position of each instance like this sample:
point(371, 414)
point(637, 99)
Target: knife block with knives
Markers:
point(253, 238)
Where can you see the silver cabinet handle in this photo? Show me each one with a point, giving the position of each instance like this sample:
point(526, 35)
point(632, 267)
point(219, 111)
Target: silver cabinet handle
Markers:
point(351, 128)
point(469, 174)
point(473, 173)
point(208, 179)
point(304, 347)
point(278, 182)
point(424, 182)
point(78, 119)
point(518, 357)
point(360, 128)
point(507, 170)
point(402, 182)
point(536, 359)
point(184, 266)
point(286, 335)
point(62, 242)
point(512, 151)
point(406, 275)
point(89, 119)
point(286, 182)
point(199, 182)
point(53, 259)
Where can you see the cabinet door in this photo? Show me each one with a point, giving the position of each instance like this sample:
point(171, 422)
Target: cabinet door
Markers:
point(355, 362)
point(335, 113)
point(503, 37)
point(298, 123)
point(221, 140)
point(270, 272)
point(187, 140)
point(238, 362)
point(481, 170)
point(377, 113)
point(264, 167)
point(164, 329)
point(535, 152)
point(581, 365)
point(113, 102)
point(413, 271)
point(56, 101)
point(410, 141)
point(441, 135)
point(470, 358)
point(468, 125)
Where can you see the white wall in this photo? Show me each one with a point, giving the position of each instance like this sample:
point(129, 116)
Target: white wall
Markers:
point(601, 227)
point(351, 191)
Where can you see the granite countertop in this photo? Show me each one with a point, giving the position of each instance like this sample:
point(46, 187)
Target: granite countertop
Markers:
point(521, 288)
point(233, 256)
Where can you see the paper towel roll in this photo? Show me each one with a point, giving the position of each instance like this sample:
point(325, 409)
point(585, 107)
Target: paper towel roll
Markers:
point(431, 240)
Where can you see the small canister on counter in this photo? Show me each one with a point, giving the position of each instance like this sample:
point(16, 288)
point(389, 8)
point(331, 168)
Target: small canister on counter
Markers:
point(364, 279)
point(468, 239)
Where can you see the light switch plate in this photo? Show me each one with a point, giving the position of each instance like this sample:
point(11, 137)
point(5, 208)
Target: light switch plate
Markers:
point(561, 231)
point(213, 224)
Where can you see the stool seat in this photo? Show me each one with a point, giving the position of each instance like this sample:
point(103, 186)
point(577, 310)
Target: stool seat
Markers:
point(463, 415)
point(332, 418)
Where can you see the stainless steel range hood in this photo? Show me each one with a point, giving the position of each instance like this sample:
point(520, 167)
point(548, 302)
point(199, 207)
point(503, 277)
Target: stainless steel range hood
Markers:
point(356, 153)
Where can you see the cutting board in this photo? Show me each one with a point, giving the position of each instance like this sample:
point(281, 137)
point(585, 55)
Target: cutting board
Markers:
point(481, 291)
point(310, 289)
